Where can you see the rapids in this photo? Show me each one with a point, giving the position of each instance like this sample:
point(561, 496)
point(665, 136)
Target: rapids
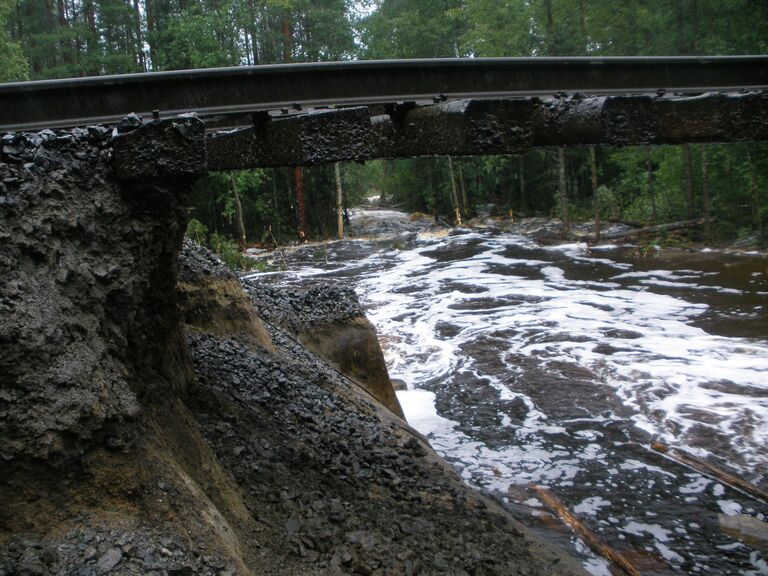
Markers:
point(560, 365)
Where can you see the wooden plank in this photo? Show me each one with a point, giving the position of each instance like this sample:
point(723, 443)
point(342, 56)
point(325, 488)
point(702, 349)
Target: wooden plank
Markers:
point(589, 537)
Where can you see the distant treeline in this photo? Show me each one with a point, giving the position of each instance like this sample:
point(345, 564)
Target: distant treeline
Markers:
point(62, 38)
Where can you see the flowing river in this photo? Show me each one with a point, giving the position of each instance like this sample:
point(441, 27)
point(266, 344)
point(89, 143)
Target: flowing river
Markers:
point(559, 366)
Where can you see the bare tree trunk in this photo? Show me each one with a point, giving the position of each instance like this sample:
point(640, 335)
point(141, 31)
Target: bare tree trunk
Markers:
point(275, 212)
point(687, 160)
point(431, 190)
point(552, 40)
point(301, 213)
point(464, 198)
point(705, 194)
point(385, 169)
point(563, 193)
point(339, 201)
point(521, 178)
point(651, 191)
point(755, 196)
point(287, 40)
point(454, 194)
point(239, 224)
point(149, 11)
point(583, 25)
point(595, 194)
point(252, 32)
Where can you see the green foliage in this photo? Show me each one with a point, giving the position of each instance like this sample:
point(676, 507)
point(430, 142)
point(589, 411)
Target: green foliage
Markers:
point(199, 38)
point(197, 231)
point(14, 64)
point(408, 29)
point(230, 253)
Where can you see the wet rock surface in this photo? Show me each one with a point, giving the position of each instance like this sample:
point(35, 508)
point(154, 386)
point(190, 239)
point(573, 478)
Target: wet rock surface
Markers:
point(328, 319)
point(93, 550)
point(302, 308)
point(87, 268)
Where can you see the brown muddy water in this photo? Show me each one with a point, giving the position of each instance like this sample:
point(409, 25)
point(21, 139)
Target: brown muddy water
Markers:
point(558, 366)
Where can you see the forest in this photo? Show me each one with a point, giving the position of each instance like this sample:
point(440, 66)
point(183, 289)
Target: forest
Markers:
point(725, 184)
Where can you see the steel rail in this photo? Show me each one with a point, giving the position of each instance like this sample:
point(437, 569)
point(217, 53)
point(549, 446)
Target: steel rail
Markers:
point(210, 92)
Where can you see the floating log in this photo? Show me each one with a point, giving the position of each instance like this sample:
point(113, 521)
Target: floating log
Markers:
point(595, 544)
point(713, 471)
point(680, 225)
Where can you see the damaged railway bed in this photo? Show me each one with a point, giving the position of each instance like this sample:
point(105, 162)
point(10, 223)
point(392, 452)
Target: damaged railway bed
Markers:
point(160, 415)
point(156, 418)
point(485, 127)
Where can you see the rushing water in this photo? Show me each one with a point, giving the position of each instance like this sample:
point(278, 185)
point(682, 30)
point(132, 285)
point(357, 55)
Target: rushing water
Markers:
point(559, 366)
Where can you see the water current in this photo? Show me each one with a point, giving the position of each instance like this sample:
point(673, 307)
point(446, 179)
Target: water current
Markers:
point(559, 366)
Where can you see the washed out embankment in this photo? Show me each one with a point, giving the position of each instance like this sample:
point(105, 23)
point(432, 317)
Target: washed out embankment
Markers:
point(154, 421)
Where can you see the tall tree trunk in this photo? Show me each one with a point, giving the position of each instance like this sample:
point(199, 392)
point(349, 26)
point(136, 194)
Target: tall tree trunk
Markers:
point(552, 40)
point(758, 221)
point(705, 194)
point(431, 190)
point(142, 59)
point(651, 191)
point(583, 25)
point(149, 11)
point(595, 193)
point(252, 32)
point(563, 193)
point(464, 198)
point(688, 162)
point(301, 213)
point(521, 179)
point(454, 193)
point(339, 201)
point(287, 39)
point(385, 170)
point(275, 209)
point(239, 224)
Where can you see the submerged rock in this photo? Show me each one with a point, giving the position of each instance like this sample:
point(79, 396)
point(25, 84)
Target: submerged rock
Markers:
point(746, 528)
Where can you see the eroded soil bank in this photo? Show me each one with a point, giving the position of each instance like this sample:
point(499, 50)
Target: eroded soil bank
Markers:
point(157, 419)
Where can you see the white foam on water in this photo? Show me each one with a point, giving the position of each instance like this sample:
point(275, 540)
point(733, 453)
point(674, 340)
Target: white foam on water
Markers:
point(697, 486)
point(591, 506)
point(672, 376)
point(729, 507)
point(760, 566)
point(639, 528)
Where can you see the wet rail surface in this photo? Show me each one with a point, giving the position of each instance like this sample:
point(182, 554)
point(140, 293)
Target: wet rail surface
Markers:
point(239, 91)
point(559, 367)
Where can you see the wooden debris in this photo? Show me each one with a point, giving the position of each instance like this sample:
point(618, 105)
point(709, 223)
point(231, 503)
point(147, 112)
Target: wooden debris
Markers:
point(589, 537)
point(655, 229)
point(713, 471)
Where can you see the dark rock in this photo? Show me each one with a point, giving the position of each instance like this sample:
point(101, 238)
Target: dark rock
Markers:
point(129, 123)
point(47, 135)
point(99, 133)
point(109, 560)
point(170, 148)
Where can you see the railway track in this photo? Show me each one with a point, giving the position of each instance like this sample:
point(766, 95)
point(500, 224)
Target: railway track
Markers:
point(228, 96)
